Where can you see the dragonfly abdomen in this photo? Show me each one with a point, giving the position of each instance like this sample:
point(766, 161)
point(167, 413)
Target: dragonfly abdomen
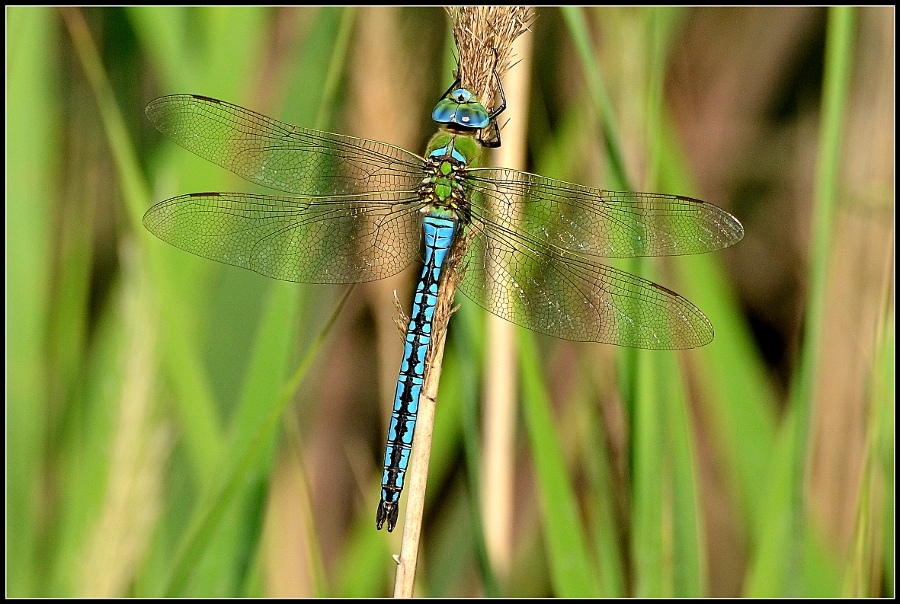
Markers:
point(440, 228)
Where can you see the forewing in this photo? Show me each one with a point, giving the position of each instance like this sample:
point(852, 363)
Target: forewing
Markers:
point(601, 223)
point(339, 240)
point(560, 294)
point(282, 156)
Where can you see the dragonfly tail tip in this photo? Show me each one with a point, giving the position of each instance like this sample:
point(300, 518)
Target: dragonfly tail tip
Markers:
point(387, 512)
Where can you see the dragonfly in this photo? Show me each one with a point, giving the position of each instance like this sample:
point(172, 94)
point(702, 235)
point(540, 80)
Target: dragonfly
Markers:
point(358, 210)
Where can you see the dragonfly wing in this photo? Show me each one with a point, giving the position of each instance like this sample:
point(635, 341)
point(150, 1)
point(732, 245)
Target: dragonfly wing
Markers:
point(311, 240)
point(281, 156)
point(564, 295)
point(595, 222)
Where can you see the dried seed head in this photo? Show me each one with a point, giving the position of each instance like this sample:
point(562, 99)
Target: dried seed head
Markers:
point(479, 31)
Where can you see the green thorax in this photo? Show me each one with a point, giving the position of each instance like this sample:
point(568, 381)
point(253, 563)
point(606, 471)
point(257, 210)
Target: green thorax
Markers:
point(463, 148)
point(448, 156)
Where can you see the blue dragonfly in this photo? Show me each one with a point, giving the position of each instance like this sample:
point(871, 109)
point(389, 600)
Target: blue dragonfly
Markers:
point(361, 210)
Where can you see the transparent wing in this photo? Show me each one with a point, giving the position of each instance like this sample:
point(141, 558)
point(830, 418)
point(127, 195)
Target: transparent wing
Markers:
point(347, 239)
point(595, 222)
point(561, 294)
point(281, 156)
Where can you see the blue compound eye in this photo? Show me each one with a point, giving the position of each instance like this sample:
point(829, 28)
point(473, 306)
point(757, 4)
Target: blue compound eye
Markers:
point(445, 111)
point(461, 108)
point(472, 116)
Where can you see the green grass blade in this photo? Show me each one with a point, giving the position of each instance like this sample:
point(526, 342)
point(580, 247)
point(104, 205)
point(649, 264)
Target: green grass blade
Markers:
point(201, 421)
point(687, 546)
point(33, 115)
point(253, 433)
point(668, 544)
point(253, 436)
point(836, 90)
point(164, 36)
point(788, 562)
point(578, 29)
point(648, 452)
point(738, 397)
point(252, 440)
point(567, 552)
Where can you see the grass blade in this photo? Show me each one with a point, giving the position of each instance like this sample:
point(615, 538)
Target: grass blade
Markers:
point(570, 567)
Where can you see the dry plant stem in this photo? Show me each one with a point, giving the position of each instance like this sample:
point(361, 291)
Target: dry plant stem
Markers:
point(479, 33)
point(501, 361)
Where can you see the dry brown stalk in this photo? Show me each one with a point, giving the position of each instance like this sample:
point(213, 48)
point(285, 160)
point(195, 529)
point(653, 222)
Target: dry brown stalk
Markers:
point(484, 37)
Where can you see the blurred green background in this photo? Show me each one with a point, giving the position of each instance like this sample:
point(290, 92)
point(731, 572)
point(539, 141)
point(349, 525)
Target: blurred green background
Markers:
point(156, 444)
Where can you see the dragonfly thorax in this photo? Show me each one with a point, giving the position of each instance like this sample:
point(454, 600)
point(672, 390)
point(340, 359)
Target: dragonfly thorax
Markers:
point(464, 149)
point(448, 156)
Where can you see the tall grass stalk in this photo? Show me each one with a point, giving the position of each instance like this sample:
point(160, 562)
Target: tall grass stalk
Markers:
point(835, 93)
point(500, 398)
point(484, 37)
point(33, 130)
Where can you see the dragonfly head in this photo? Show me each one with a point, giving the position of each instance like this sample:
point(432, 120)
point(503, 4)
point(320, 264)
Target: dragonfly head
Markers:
point(461, 109)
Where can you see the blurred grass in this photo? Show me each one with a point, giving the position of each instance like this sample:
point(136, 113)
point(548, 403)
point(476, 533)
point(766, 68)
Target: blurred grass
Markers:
point(145, 385)
point(33, 100)
point(791, 540)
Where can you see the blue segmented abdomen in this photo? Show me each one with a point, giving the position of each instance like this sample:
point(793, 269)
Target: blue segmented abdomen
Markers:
point(439, 232)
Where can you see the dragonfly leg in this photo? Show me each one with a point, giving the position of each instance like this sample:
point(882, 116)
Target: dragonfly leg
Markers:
point(453, 87)
point(494, 141)
point(502, 106)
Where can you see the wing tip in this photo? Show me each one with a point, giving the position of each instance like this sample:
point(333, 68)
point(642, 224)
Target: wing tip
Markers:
point(729, 225)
